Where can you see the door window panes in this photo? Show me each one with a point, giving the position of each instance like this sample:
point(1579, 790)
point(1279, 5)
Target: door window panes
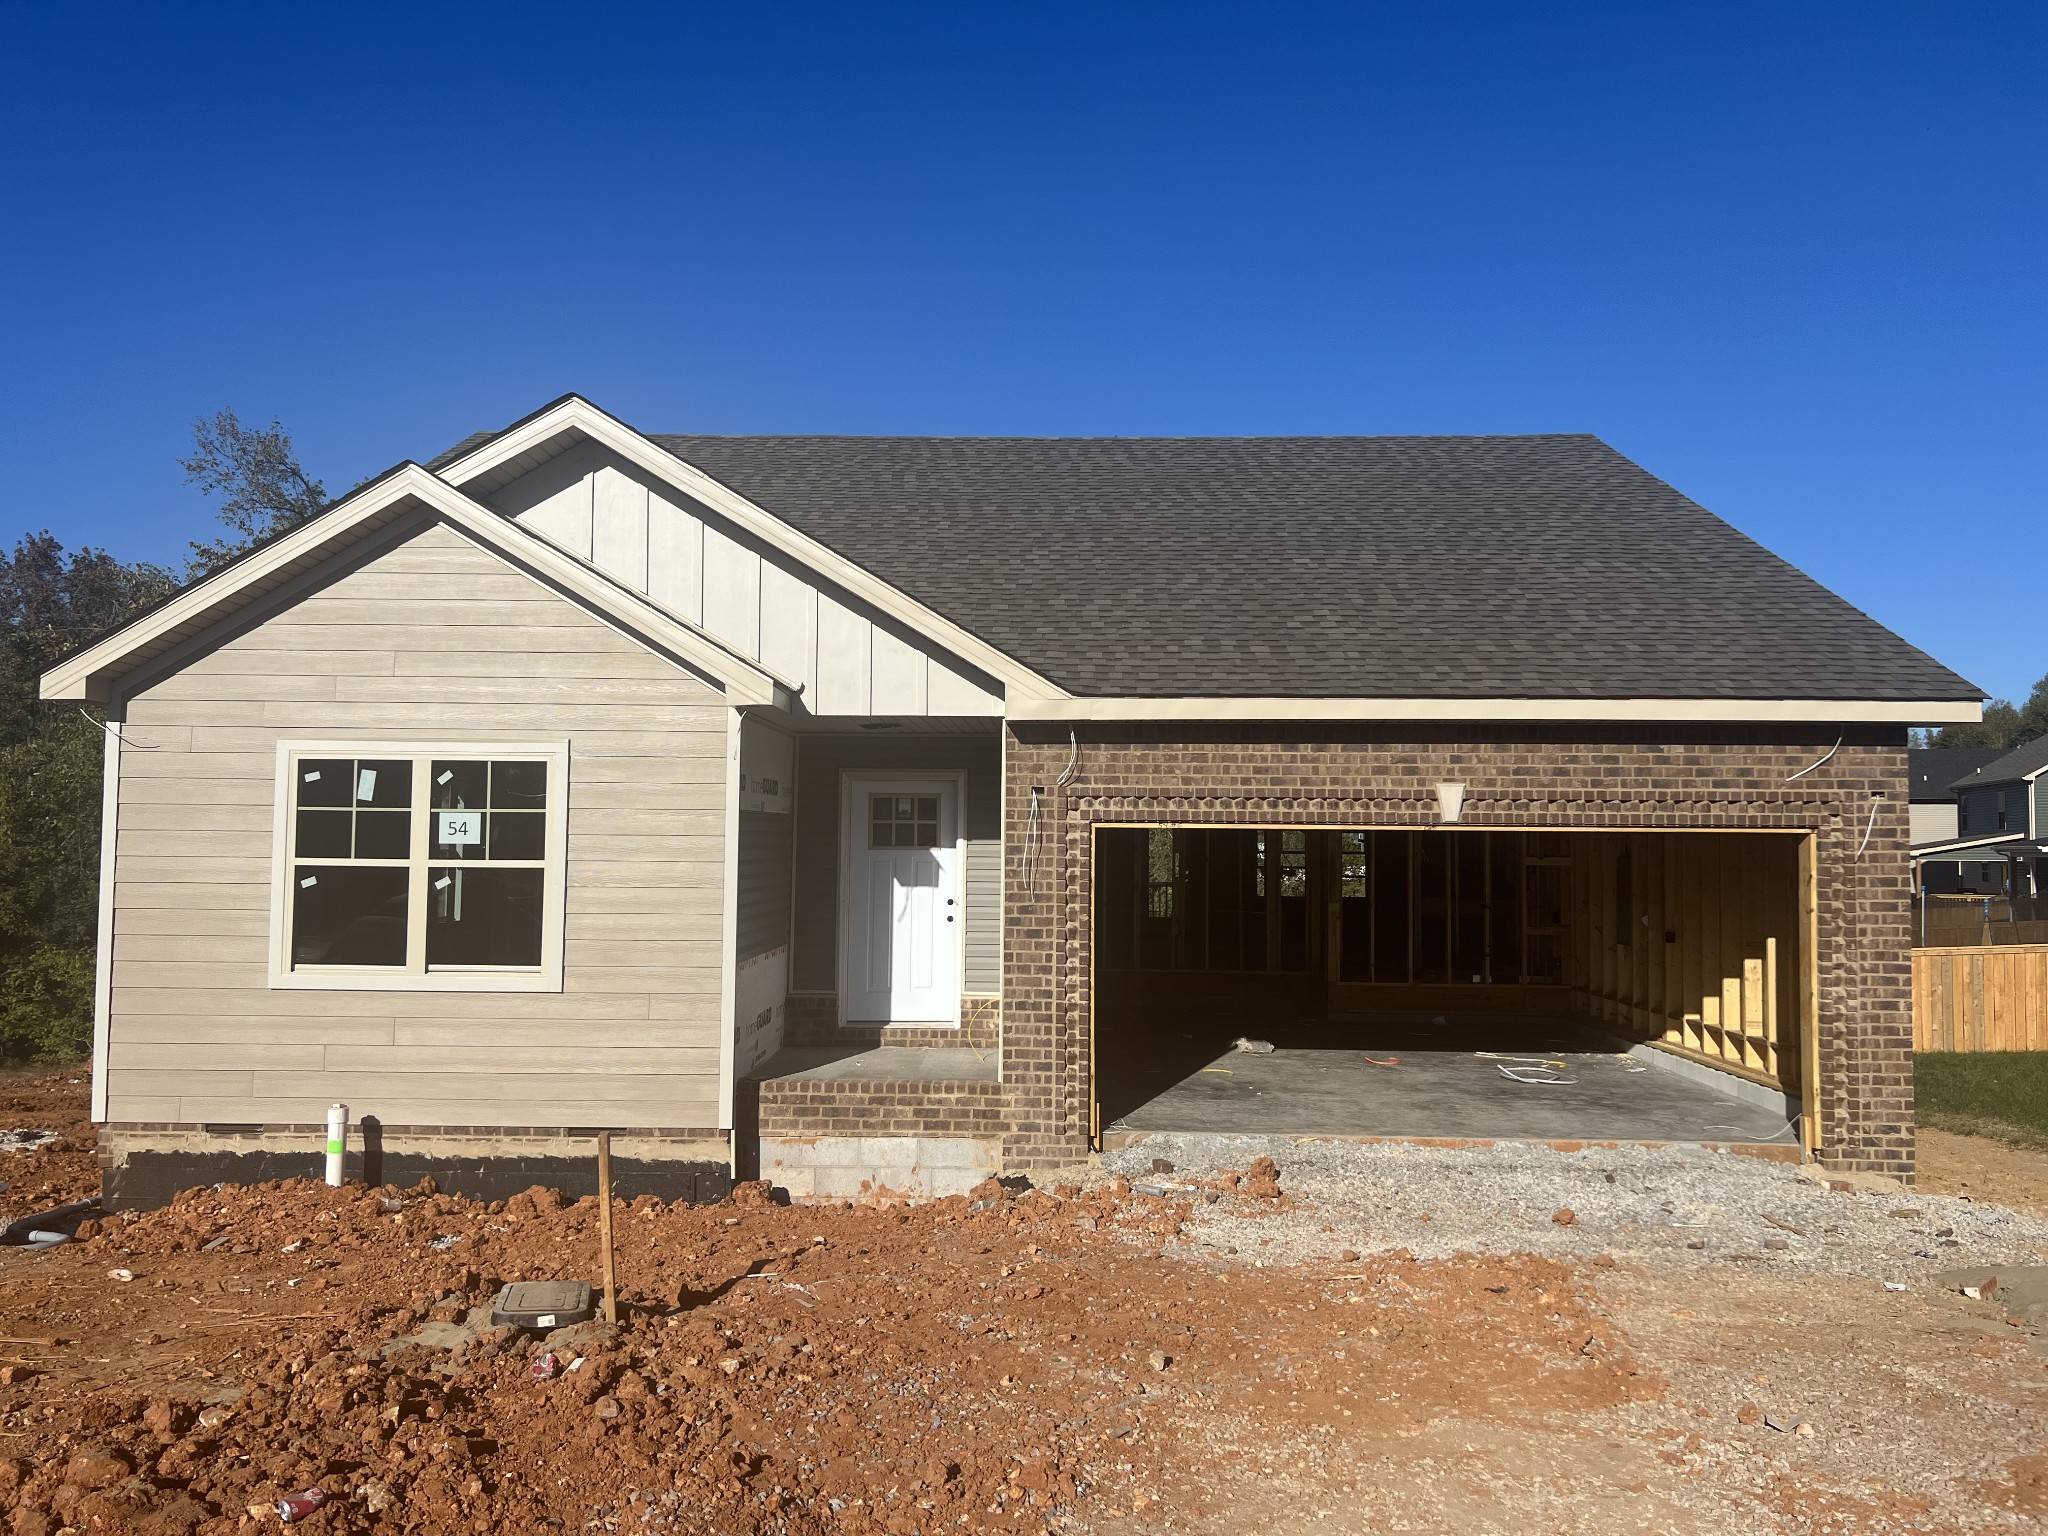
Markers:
point(903, 821)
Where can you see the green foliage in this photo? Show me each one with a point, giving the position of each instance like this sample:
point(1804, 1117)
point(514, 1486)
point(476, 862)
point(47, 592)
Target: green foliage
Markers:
point(263, 492)
point(52, 603)
point(2004, 725)
point(2000, 1094)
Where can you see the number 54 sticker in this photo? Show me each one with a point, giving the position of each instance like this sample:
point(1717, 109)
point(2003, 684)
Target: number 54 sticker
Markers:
point(459, 829)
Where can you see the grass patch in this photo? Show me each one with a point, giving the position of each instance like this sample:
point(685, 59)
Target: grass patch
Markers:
point(2002, 1095)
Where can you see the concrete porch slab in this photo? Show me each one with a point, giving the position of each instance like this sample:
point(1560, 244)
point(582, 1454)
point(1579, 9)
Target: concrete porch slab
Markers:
point(880, 1063)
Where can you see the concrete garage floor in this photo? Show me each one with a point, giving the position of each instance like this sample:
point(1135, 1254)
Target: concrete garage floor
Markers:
point(1318, 1089)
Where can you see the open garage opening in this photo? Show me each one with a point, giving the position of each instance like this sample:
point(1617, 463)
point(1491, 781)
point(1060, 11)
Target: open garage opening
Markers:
point(1453, 982)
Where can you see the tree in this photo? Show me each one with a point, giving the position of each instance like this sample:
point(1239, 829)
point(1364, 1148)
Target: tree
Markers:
point(255, 473)
point(2033, 721)
point(51, 604)
point(2004, 725)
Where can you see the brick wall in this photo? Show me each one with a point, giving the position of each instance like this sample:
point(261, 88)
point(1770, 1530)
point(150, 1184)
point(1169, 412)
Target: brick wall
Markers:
point(812, 1018)
point(1609, 777)
point(789, 1107)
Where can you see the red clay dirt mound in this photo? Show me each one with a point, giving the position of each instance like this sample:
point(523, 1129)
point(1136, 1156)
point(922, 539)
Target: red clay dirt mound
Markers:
point(986, 1363)
point(57, 1172)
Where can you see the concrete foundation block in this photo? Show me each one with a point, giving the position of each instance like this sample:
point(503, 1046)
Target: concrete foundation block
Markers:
point(855, 1167)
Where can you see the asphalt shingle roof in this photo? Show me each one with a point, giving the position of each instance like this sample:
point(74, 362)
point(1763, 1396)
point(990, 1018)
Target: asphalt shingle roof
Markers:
point(1459, 567)
point(2005, 767)
point(1931, 772)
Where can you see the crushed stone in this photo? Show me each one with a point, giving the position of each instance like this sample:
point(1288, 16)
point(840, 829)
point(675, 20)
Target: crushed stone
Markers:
point(1678, 1206)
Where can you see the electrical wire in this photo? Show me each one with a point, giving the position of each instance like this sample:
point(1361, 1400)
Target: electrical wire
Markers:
point(1802, 773)
point(107, 726)
point(1535, 1075)
point(1067, 774)
point(1031, 829)
point(1034, 823)
point(1871, 825)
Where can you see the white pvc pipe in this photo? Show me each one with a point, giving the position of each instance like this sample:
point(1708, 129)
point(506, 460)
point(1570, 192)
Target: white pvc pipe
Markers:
point(337, 1142)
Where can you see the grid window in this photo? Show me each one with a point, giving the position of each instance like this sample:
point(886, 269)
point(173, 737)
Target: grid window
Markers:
point(903, 821)
point(1160, 872)
point(1356, 875)
point(1293, 864)
point(434, 868)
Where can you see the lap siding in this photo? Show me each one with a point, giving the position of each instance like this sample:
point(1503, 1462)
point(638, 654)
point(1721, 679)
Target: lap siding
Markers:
point(431, 640)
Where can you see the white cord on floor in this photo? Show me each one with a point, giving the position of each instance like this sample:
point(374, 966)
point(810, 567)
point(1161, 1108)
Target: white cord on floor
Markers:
point(1535, 1075)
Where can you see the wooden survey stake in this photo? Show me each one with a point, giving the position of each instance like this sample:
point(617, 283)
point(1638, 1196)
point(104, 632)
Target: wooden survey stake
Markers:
point(604, 1224)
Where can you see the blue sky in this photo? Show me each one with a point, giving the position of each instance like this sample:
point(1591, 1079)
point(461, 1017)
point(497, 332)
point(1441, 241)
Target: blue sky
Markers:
point(1789, 257)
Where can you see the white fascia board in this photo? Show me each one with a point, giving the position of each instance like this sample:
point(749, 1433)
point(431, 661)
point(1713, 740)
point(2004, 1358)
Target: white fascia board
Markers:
point(1955, 845)
point(580, 415)
point(73, 678)
point(1824, 711)
point(743, 680)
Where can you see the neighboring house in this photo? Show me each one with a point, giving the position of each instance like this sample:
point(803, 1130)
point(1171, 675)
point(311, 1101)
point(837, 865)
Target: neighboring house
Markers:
point(584, 778)
point(2001, 834)
point(1931, 775)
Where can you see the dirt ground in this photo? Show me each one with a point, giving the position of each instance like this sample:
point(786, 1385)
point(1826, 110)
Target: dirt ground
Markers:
point(1041, 1362)
point(61, 1171)
point(1984, 1170)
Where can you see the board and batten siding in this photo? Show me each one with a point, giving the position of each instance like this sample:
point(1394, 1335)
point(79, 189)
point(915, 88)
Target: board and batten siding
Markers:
point(821, 760)
point(430, 638)
point(846, 658)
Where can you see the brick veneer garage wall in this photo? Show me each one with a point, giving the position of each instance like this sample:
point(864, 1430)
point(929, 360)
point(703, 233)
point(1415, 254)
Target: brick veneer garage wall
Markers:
point(1566, 777)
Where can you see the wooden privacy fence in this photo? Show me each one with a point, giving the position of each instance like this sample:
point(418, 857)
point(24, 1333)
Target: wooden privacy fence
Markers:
point(1981, 998)
point(1941, 921)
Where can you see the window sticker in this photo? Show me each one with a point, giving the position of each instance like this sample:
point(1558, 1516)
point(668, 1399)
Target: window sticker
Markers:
point(309, 880)
point(459, 829)
point(313, 776)
point(366, 784)
point(444, 882)
point(446, 775)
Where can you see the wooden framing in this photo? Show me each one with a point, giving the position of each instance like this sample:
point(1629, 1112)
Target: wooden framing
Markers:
point(1707, 947)
point(1709, 919)
point(1808, 993)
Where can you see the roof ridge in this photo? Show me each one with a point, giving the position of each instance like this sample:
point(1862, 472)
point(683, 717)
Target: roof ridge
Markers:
point(1212, 437)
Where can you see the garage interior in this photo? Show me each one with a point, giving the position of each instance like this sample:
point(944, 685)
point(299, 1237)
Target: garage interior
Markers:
point(1454, 982)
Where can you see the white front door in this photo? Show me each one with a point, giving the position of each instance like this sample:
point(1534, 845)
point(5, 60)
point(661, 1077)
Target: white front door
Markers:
point(903, 909)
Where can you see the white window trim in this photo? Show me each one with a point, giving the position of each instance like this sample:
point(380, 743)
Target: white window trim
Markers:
point(547, 977)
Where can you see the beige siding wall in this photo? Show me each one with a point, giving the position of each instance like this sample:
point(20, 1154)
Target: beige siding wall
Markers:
point(432, 639)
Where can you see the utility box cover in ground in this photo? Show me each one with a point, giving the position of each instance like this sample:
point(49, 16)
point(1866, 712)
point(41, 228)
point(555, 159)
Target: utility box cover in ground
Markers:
point(542, 1305)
